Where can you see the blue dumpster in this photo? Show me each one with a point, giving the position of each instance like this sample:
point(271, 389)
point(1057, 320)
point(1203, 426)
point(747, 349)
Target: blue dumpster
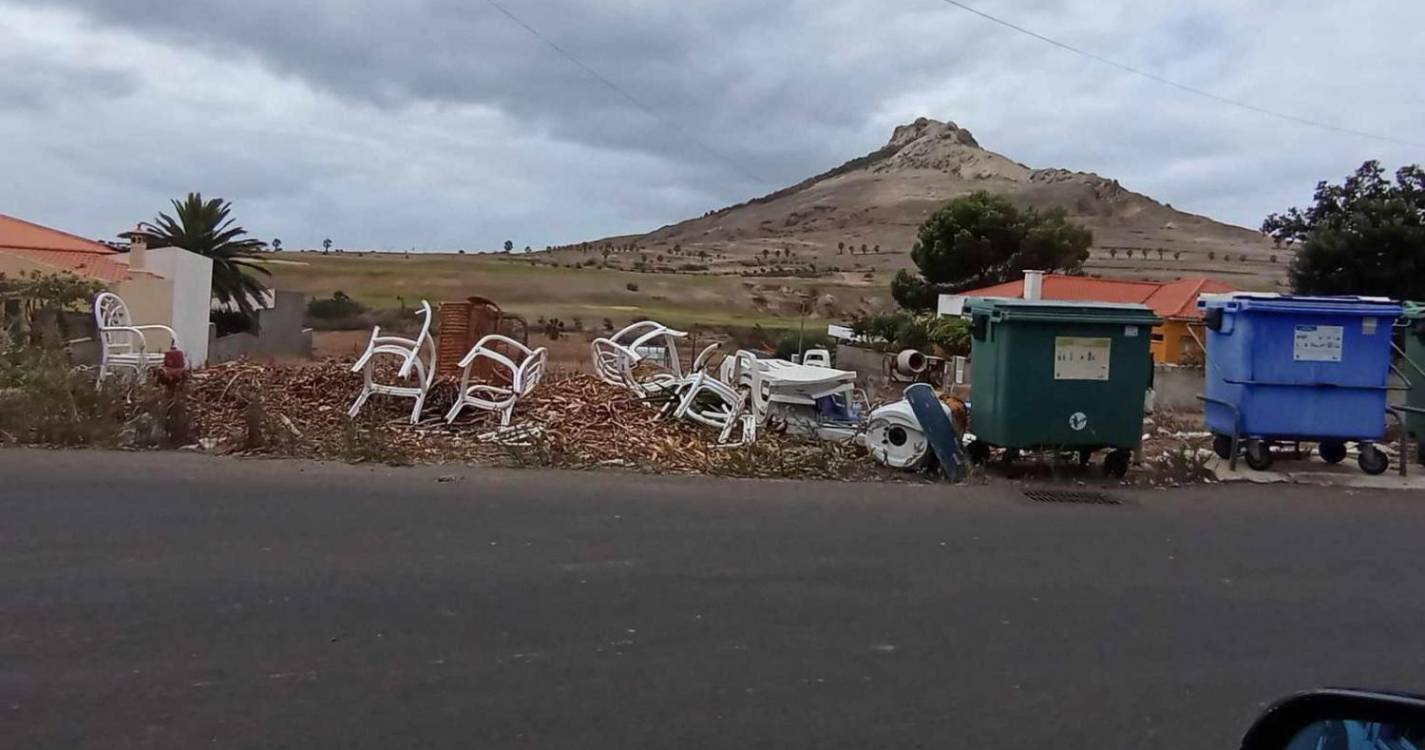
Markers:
point(1294, 369)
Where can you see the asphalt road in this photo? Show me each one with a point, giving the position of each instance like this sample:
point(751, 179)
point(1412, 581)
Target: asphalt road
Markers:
point(178, 601)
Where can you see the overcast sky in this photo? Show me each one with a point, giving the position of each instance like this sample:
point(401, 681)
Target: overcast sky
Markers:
point(443, 124)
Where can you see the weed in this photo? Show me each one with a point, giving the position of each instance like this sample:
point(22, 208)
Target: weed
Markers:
point(365, 439)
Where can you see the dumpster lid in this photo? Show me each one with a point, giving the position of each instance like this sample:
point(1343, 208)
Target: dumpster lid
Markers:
point(1056, 311)
point(1271, 302)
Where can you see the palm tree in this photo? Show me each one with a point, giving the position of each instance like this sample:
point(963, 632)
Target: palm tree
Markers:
point(204, 227)
point(327, 245)
point(276, 245)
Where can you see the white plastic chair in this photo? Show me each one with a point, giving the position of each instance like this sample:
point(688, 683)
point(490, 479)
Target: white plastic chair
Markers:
point(523, 376)
point(416, 354)
point(616, 358)
point(123, 345)
point(709, 401)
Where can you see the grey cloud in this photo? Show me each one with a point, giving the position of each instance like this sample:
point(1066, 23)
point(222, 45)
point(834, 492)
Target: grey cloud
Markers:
point(30, 87)
point(441, 123)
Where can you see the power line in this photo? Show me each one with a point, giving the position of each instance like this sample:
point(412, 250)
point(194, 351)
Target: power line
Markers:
point(601, 78)
point(1181, 86)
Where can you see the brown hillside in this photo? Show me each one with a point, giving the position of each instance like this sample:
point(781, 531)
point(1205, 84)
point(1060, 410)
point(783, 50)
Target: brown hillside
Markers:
point(884, 196)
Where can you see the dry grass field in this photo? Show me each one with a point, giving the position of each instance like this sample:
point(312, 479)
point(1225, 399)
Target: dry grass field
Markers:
point(535, 288)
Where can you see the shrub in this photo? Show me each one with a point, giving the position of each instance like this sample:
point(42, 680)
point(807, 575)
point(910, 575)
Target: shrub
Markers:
point(228, 322)
point(38, 309)
point(787, 344)
point(632, 287)
point(337, 306)
point(901, 330)
point(952, 335)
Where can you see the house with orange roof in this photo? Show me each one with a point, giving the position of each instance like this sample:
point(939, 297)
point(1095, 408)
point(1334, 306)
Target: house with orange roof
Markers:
point(1177, 339)
point(170, 286)
point(28, 247)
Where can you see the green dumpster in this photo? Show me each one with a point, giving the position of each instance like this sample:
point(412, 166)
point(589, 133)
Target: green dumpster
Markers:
point(1414, 369)
point(1061, 376)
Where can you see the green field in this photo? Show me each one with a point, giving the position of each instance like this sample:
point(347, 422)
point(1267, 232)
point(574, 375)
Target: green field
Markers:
point(535, 289)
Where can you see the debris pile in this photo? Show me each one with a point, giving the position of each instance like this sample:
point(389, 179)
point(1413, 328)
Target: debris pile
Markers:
point(572, 421)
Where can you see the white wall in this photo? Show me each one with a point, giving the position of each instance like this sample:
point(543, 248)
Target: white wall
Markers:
point(150, 301)
point(192, 278)
point(951, 305)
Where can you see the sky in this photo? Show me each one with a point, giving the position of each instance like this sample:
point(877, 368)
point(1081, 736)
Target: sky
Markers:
point(447, 124)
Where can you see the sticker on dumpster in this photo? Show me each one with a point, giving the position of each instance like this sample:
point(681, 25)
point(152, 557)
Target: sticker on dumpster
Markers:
point(1078, 420)
point(1368, 326)
point(1081, 358)
point(1318, 343)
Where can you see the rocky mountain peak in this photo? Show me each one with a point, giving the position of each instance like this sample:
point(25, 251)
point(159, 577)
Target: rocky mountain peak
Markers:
point(924, 127)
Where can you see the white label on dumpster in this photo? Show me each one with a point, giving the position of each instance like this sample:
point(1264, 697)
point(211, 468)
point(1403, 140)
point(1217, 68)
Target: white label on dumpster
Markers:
point(1318, 343)
point(1081, 358)
point(1368, 326)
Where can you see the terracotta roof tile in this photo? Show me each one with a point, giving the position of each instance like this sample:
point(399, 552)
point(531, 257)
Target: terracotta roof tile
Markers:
point(19, 234)
point(89, 265)
point(1177, 299)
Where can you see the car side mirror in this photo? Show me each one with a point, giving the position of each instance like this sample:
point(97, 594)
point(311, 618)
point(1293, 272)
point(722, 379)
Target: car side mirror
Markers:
point(1346, 719)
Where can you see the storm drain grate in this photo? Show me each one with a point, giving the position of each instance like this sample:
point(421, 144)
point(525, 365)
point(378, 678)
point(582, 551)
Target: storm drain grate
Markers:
point(1069, 496)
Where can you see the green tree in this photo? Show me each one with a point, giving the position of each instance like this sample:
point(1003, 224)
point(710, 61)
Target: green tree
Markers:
point(1364, 236)
point(205, 228)
point(982, 239)
point(509, 245)
point(276, 245)
point(327, 245)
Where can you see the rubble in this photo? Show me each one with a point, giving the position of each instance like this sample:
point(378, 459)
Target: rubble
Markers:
point(572, 421)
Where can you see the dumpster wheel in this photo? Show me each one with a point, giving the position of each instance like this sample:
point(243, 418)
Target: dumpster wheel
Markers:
point(1115, 464)
point(1259, 455)
point(1372, 460)
point(1332, 451)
